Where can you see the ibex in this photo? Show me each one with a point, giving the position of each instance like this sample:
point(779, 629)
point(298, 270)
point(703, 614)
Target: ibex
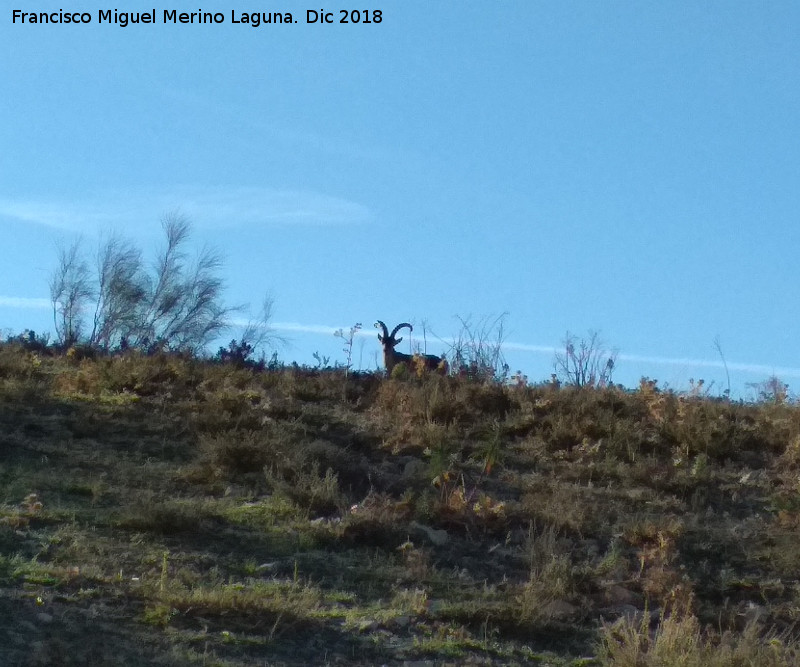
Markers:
point(392, 357)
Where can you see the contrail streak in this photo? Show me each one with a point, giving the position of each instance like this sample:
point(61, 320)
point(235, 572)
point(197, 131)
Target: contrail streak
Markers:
point(327, 330)
point(740, 366)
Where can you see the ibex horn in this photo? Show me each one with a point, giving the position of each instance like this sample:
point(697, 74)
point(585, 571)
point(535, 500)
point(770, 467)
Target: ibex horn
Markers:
point(381, 325)
point(400, 326)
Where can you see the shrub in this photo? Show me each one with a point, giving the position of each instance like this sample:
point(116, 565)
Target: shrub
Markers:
point(680, 640)
point(585, 362)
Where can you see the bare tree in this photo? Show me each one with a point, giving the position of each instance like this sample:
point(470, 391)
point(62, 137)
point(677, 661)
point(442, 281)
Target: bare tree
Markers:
point(166, 293)
point(178, 307)
point(70, 292)
point(122, 288)
point(182, 306)
point(585, 362)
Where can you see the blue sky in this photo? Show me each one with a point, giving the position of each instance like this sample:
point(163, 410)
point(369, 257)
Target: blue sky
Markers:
point(626, 167)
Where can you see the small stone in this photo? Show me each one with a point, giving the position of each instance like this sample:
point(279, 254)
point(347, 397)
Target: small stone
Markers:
point(44, 617)
point(560, 609)
point(754, 612)
point(437, 537)
point(434, 606)
point(27, 625)
point(367, 625)
point(414, 469)
point(619, 595)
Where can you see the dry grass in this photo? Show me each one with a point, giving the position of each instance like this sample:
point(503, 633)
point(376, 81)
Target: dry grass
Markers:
point(220, 515)
point(679, 639)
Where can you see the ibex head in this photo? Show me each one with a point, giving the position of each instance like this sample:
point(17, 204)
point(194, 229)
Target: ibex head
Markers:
point(391, 357)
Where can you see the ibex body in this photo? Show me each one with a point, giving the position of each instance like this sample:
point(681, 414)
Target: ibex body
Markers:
point(392, 357)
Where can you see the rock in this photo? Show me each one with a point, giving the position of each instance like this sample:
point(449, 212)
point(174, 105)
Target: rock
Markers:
point(560, 609)
point(402, 621)
point(44, 617)
point(754, 612)
point(367, 625)
point(437, 537)
point(592, 548)
point(388, 467)
point(433, 606)
point(619, 595)
point(414, 469)
point(630, 613)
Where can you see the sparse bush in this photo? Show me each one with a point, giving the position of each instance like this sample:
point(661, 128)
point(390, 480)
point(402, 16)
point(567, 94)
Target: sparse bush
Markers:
point(680, 640)
point(233, 452)
point(772, 390)
point(31, 341)
point(554, 582)
point(477, 350)
point(400, 372)
point(348, 339)
point(239, 354)
point(585, 362)
point(18, 364)
point(317, 493)
point(256, 337)
point(162, 517)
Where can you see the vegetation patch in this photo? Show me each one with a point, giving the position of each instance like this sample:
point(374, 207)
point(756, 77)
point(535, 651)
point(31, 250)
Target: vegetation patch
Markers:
point(225, 512)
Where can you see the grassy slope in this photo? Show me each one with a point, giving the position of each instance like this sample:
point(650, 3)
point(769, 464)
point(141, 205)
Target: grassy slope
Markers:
point(186, 513)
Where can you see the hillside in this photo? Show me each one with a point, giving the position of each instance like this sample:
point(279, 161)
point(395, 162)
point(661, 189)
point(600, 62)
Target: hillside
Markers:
point(161, 510)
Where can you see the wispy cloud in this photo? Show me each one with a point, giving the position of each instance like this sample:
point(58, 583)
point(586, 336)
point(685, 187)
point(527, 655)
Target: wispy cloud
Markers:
point(22, 302)
point(227, 208)
point(61, 215)
point(208, 208)
point(272, 129)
